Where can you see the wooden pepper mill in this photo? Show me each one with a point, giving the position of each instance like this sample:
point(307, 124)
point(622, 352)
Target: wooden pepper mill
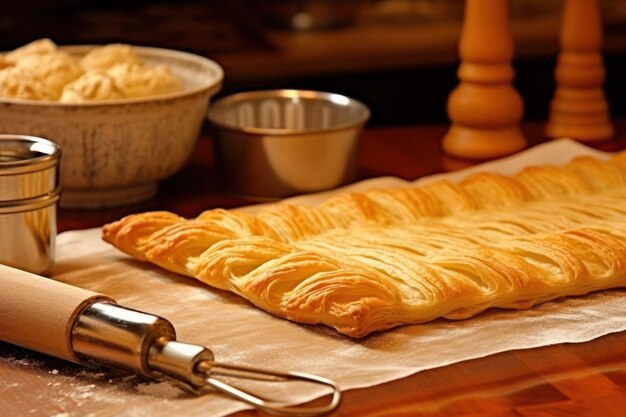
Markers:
point(485, 109)
point(579, 109)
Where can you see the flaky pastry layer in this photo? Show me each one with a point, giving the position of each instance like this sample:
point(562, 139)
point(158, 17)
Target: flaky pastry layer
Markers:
point(364, 262)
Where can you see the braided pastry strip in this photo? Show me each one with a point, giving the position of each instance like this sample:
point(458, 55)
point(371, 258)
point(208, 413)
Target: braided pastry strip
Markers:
point(372, 261)
point(288, 223)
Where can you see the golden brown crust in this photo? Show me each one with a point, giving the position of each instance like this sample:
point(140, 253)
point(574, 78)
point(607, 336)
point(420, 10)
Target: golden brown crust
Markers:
point(370, 261)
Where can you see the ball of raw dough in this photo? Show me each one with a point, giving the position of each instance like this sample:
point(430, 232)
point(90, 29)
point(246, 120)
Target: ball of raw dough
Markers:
point(107, 56)
point(25, 84)
point(41, 46)
point(56, 69)
point(4, 63)
point(137, 80)
point(93, 85)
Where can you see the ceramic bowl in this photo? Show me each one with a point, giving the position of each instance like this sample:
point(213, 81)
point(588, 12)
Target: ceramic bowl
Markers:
point(115, 152)
point(278, 143)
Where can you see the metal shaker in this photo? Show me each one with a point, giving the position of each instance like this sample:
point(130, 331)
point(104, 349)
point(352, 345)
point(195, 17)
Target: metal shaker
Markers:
point(29, 191)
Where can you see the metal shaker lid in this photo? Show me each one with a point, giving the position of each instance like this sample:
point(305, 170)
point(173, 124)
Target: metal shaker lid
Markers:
point(28, 169)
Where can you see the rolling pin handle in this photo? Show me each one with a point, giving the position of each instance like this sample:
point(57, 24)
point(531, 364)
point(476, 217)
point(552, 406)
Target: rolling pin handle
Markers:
point(39, 313)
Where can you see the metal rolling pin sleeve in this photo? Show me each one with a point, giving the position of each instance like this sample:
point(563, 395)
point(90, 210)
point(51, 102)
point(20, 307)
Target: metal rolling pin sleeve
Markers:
point(109, 334)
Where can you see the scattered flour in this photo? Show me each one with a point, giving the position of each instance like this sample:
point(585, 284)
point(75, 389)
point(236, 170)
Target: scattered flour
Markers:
point(69, 387)
point(160, 389)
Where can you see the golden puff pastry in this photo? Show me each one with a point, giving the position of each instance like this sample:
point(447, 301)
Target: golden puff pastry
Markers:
point(370, 261)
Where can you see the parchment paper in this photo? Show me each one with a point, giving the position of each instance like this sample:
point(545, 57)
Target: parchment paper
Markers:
point(238, 332)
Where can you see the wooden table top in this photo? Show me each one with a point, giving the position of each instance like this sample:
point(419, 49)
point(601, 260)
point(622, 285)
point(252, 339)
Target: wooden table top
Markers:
point(566, 379)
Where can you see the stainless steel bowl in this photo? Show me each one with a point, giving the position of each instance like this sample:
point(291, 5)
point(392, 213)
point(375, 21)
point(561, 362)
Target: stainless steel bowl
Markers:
point(277, 143)
point(29, 191)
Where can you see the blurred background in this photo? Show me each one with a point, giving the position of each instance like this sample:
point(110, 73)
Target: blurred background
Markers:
point(398, 56)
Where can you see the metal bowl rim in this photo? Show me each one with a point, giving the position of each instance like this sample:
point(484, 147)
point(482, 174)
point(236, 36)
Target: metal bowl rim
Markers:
point(286, 93)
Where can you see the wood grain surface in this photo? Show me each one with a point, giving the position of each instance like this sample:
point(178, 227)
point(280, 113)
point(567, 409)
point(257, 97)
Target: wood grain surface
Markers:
point(587, 379)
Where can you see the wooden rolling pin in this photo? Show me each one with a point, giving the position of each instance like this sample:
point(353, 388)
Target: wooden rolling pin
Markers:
point(39, 313)
point(88, 328)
